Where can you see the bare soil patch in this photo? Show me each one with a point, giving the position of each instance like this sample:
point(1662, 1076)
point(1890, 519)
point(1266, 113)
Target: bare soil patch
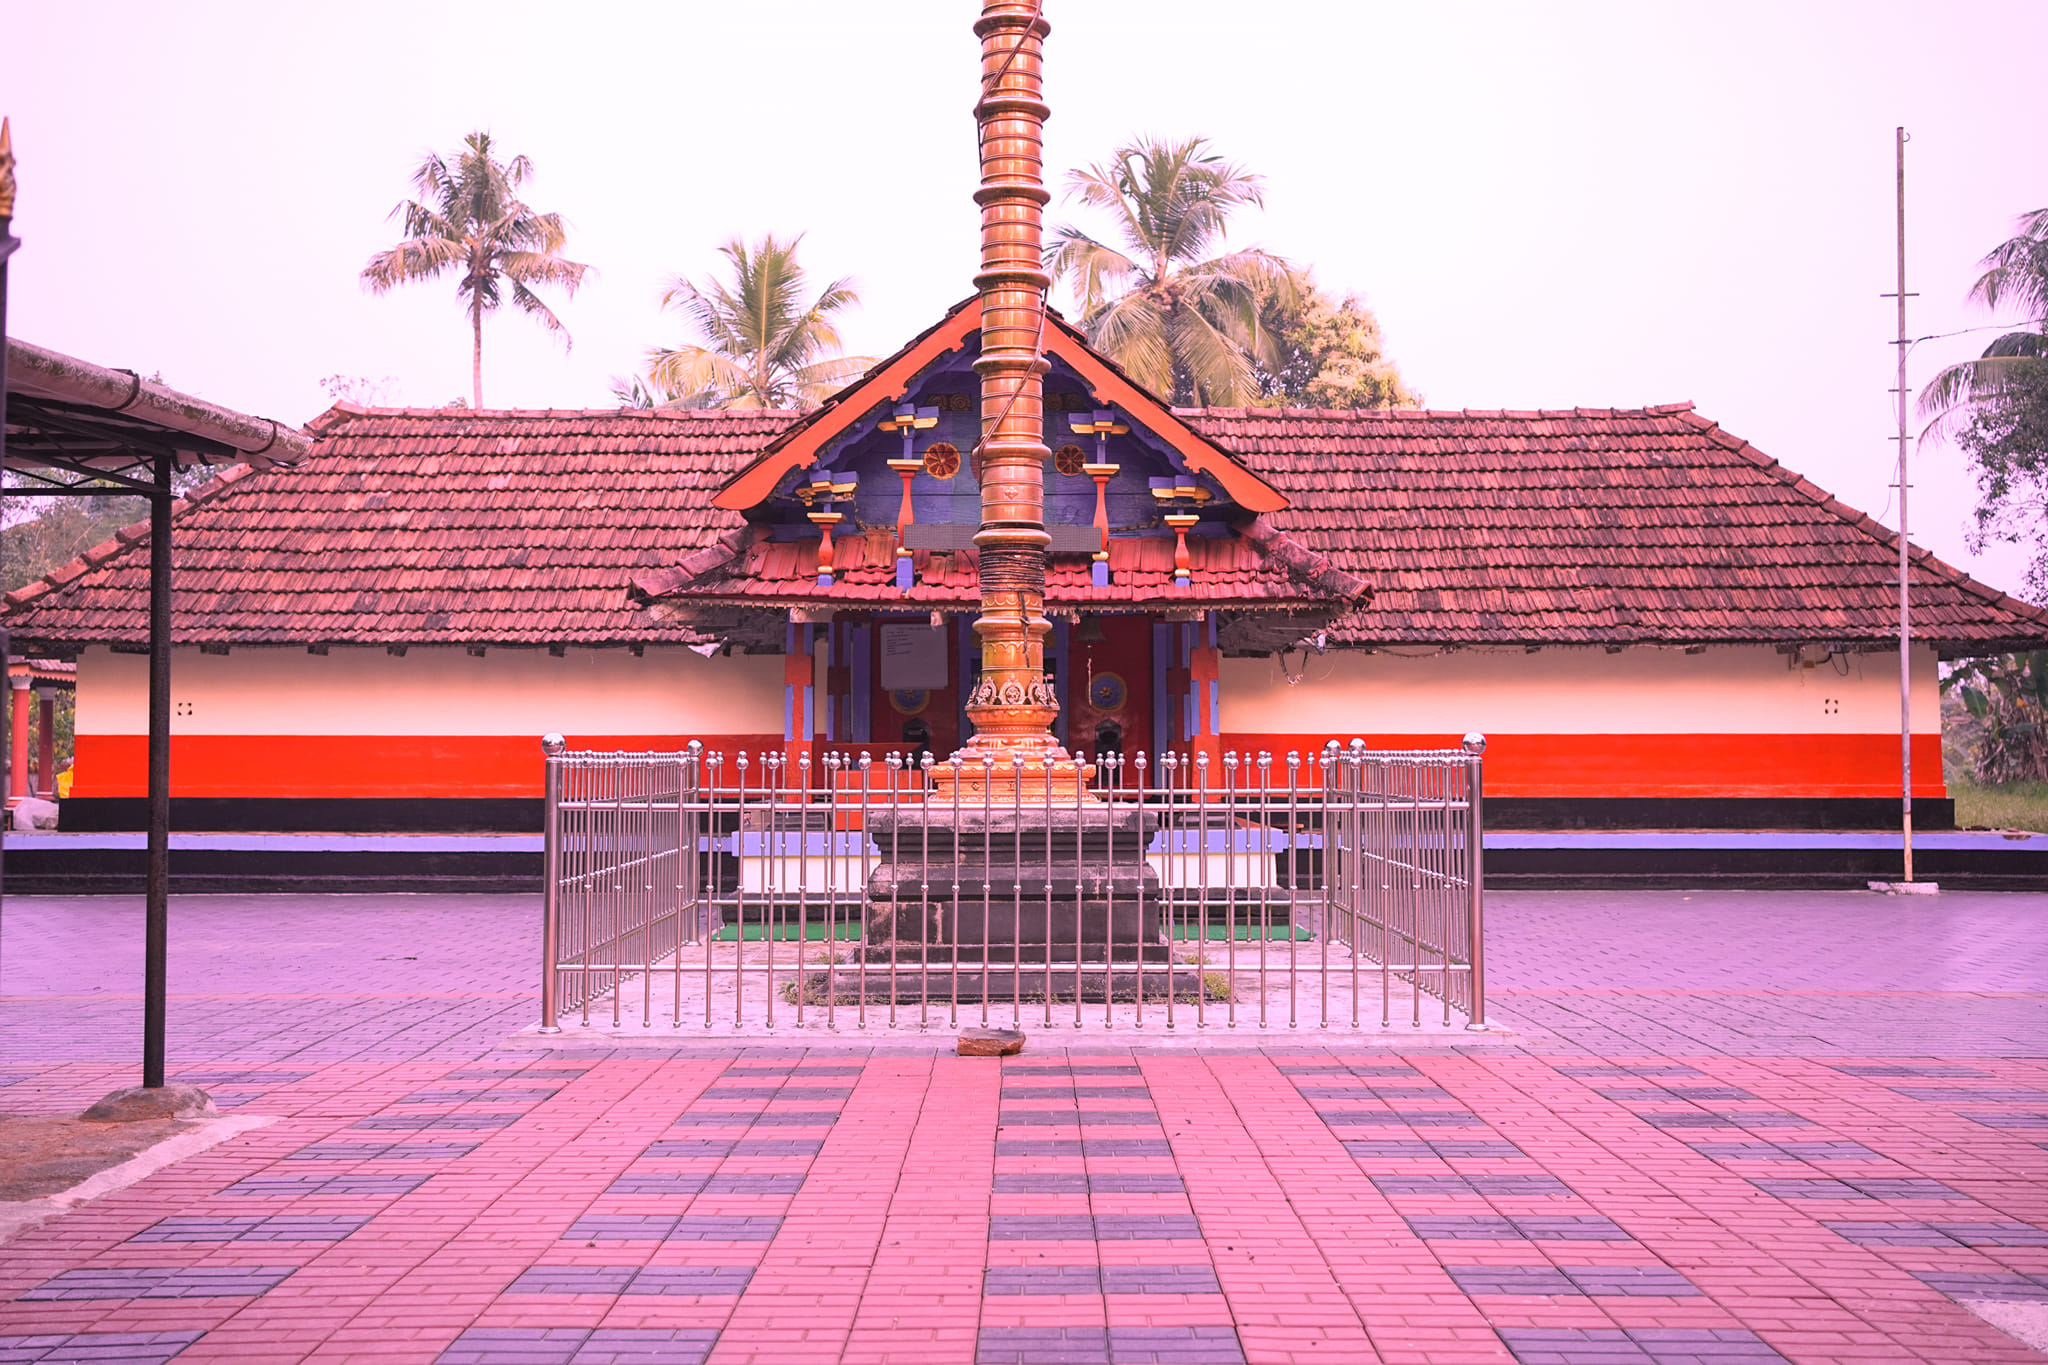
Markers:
point(40, 1155)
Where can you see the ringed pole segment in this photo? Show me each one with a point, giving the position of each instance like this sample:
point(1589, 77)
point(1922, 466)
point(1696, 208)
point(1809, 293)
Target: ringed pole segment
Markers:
point(1012, 708)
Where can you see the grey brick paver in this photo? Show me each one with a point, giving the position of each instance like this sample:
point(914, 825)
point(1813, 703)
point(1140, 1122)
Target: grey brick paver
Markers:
point(702, 1147)
point(1118, 1147)
point(1516, 1228)
point(1489, 1186)
point(579, 1346)
point(659, 1182)
point(386, 1151)
point(163, 1282)
point(1054, 1118)
point(667, 1280)
point(420, 1123)
point(757, 1119)
point(598, 1227)
point(1081, 1227)
point(98, 1348)
point(1077, 1183)
point(1041, 1279)
point(275, 1228)
point(333, 1186)
point(1929, 1069)
point(1159, 1279)
point(493, 1094)
point(1395, 1118)
point(1638, 1346)
point(1108, 1346)
point(1447, 1148)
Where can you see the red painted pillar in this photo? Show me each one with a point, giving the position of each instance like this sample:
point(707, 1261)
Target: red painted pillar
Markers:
point(46, 743)
point(17, 776)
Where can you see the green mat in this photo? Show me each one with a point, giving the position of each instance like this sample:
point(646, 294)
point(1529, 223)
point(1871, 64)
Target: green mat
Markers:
point(1242, 932)
point(813, 932)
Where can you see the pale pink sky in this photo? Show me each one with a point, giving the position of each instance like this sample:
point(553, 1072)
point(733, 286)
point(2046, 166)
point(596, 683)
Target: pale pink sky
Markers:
point(1548, 204)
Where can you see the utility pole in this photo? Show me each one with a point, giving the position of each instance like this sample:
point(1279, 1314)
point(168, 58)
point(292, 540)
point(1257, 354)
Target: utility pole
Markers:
point(1905, 559)
point(8, 243)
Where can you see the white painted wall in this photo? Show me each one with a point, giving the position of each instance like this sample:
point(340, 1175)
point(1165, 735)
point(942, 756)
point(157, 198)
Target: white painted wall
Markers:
point(1732, 690)
point(436, 692)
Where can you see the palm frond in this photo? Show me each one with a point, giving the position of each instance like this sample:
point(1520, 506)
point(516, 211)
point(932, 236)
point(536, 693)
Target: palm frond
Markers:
point(691, 369)
point(530, 303)
point(1090, 268)
point(2011, 363)
point(1132, 332)
point(757, 320)
point(1220, 371)
point(2016, 270)
point(415, 258)
point(535, 267)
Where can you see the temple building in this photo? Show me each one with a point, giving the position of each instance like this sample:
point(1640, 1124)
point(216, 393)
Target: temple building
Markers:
point(1654, 623)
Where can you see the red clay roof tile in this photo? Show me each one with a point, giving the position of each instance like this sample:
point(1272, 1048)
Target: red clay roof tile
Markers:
point(1588, 526)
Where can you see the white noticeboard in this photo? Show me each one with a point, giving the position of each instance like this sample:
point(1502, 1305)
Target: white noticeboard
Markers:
point(913, 656)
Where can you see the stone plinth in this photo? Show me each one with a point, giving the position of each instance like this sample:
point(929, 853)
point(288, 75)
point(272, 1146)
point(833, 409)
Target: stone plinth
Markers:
point(1013, 883)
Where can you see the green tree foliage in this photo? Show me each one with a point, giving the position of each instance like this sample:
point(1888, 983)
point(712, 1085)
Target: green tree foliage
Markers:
point(764, 344)
point(1331, 354)
point(41, 535)
point(469, 219)
point(1996, 406)
point(1189, 325)
point(2005, 699)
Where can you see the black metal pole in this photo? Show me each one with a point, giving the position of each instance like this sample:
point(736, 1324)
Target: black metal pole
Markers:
point(157, 889)
point(7, 246)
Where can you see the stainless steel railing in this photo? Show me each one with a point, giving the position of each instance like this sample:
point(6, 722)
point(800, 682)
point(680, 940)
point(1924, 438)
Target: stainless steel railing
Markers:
point(1343, 888)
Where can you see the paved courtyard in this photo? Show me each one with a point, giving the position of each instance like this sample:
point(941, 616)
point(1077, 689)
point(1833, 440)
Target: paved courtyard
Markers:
point(1719, 1129)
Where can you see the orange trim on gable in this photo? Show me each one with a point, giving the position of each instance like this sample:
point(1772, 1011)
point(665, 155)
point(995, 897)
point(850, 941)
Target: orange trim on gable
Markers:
point(1739, 765)
point(799, 447)
point(1204, 456)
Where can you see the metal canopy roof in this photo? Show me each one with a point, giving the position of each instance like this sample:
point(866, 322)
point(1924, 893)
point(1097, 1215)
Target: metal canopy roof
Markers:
point(69, 420)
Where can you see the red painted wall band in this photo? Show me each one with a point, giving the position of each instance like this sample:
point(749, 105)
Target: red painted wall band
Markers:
point(355, 765)
point(1662, 765)
point(1516, 765)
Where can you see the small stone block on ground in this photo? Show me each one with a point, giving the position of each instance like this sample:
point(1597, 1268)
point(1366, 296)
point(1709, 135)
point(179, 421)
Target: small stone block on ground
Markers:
point(991, 1042)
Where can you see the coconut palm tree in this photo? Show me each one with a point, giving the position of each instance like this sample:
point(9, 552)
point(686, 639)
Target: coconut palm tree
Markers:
point(469, 218)
point(765, 347)
point(1996, 406)
point(2016, 274)
point(1187, 324)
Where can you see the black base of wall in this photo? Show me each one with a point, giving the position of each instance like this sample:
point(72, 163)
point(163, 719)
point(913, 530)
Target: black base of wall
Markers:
point(102, 871)
point(1714, 812)
point(297, 815)
point(119, 871)
point(522, 815)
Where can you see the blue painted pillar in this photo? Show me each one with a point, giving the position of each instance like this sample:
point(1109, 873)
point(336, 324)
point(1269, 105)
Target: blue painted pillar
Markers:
point(860, 668)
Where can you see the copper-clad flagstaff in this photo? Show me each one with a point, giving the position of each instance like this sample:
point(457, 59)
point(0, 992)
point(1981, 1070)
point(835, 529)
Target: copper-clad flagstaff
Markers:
point(1013, 707)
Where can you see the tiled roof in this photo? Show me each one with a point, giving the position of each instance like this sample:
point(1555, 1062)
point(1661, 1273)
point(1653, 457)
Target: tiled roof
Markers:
point(1593, 526)
point(1574, 527)
point(425, 526)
